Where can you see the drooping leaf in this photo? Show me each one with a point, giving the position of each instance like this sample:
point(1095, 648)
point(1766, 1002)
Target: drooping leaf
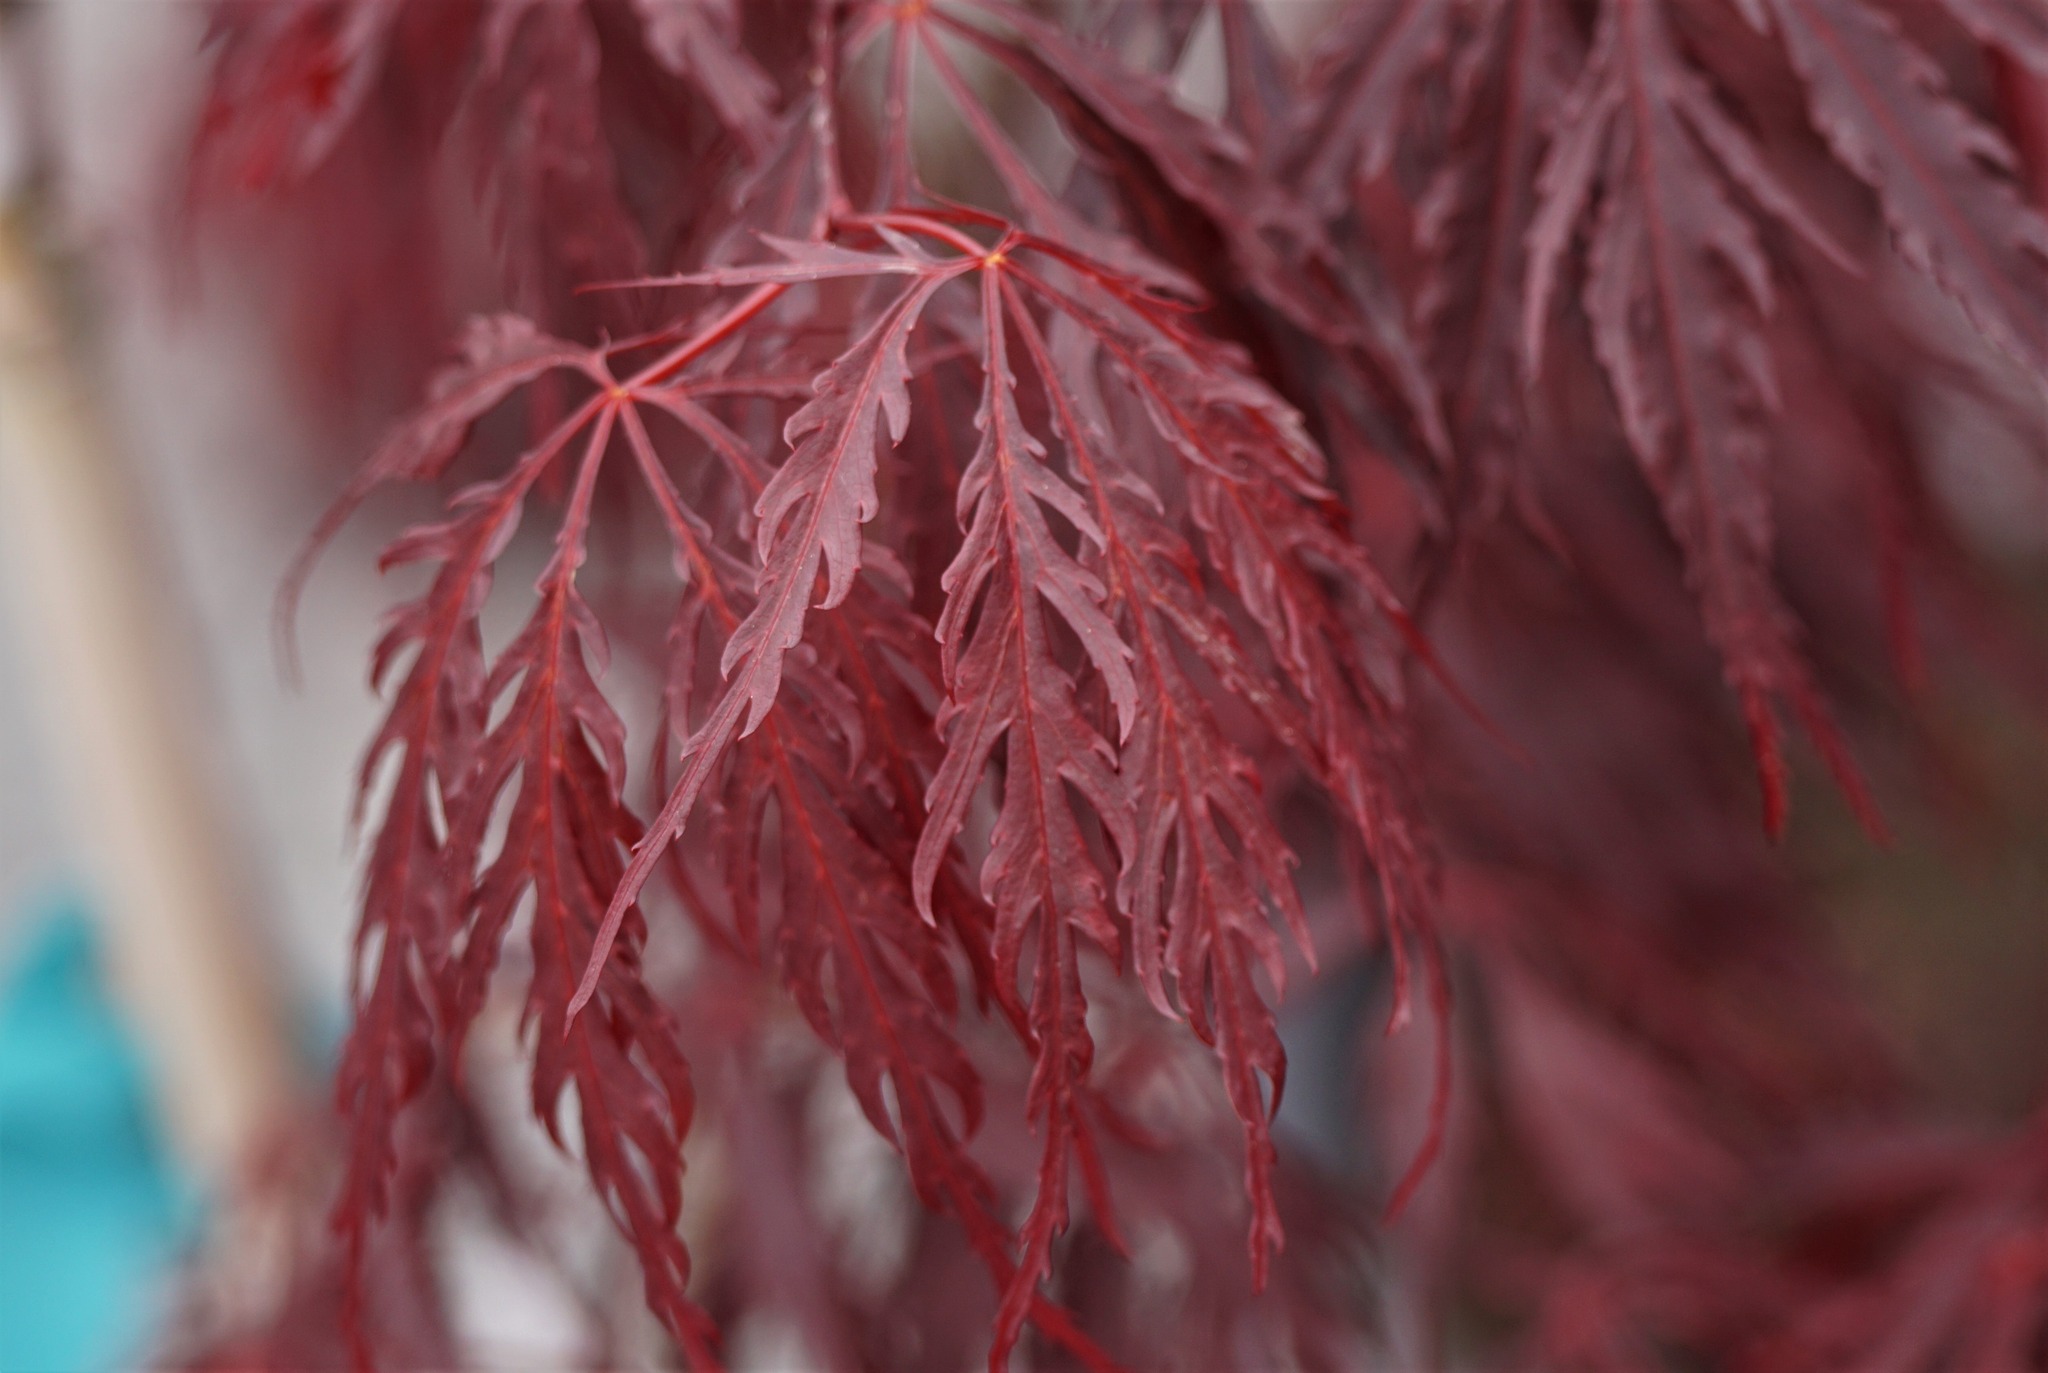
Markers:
point(1129, 642)
point(2017, 26)
point(810, 513)
point(1677, 280)
point(1205, 914)
point(1472, 228)
point(1362, 76)
point(1006, 686)
point(1943, 178)
point(699, 40)
point(541, 166)
point(286, 83)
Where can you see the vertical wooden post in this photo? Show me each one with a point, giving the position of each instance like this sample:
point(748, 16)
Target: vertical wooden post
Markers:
point(108, 669)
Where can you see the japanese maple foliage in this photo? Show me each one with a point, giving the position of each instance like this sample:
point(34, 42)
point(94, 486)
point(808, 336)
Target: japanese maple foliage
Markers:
point(1121, 559)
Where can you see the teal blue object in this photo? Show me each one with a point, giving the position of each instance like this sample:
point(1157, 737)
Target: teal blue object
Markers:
point(90, 1209)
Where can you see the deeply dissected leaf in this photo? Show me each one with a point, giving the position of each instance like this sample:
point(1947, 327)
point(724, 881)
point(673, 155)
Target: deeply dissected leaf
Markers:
point(1472, 224)
point(286, 84)
point(699, 39)
point(501, 354)
point(1193, 796)
point(419, 890)
point(811, 513)
point(2017, 26)
point(853, 952)
point(1677, 279)
point(1941, 175)
point(1006, 686)
point(543, 170)
point(1014, 629)
point(1367, 65)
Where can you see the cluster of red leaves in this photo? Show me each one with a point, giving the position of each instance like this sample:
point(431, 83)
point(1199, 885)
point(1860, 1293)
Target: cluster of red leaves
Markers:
point(1038, 586)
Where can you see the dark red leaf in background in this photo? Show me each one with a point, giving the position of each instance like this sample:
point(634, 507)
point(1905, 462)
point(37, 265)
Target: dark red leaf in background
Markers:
point(1038, 723)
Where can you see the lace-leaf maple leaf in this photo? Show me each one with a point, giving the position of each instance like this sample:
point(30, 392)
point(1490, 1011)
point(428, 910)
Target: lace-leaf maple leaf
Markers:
point(1942, 177)
point(699, 40)
point(1006, 686)
point(500, 355)
point(810, 512)
point(1194, 796)
point(2019, 27)
point(1677, 279)
point(1360, 77)
point(542, 167)
point(418, 891)
point(1189, 185)
point(868, 973)
point(437, 896)
point(558, 753)
point(528, 132)
point(287, 82)
point(1102, 102)
point(1471, 226)
point(1251, 472)
point(1222, 373)
point(1965, 1281)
